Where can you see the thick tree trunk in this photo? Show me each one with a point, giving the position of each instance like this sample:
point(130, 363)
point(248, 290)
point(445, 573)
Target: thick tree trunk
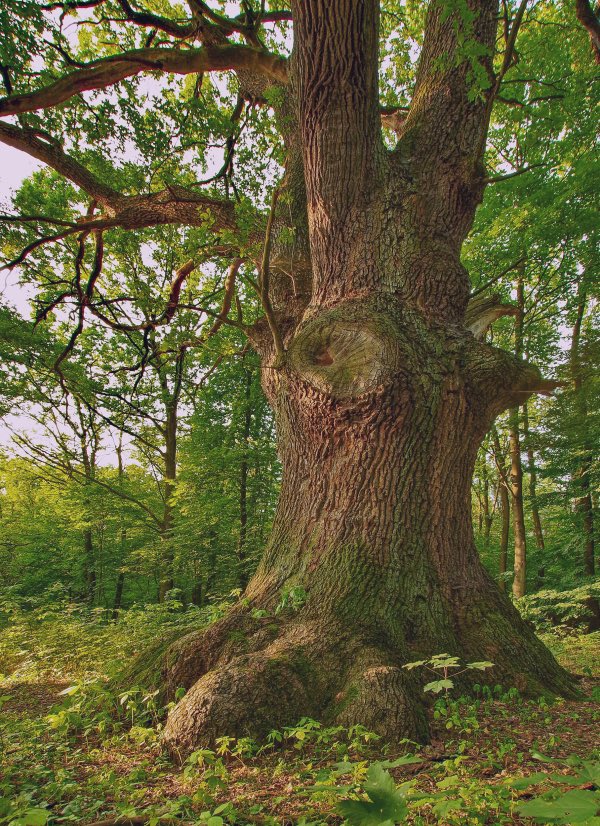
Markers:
point(378, 436)
point(382, 397)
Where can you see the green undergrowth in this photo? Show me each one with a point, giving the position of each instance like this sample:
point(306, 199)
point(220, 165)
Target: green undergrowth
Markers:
point(76, 750)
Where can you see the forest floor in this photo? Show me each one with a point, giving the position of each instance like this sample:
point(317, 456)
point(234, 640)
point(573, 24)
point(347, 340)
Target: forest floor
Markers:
point(73, 751)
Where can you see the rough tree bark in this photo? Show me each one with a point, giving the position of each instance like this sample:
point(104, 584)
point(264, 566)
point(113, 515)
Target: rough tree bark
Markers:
point(382, 396)
point(374, 365)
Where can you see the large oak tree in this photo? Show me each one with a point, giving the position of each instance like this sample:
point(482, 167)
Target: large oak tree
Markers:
point(373, 358)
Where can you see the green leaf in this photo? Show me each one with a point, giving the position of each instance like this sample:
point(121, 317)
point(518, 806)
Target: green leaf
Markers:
point(34, 817)
point(70, 690)
point(590, 773)
point(438, 685)
point(415, 664)
point(444, 807)
point(406, 760)
point(480, 666)
point(525, 782)
point(444, 661)
point(575, 806)
point(541, 757)
point(385, 807)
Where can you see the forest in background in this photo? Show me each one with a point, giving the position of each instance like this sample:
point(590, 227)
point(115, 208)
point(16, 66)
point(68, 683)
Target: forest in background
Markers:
point(139, 475)
point(142, 461)
point(145, 467)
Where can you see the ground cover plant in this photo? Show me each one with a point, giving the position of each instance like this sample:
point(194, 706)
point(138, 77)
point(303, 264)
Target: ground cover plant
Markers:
point(78, 748)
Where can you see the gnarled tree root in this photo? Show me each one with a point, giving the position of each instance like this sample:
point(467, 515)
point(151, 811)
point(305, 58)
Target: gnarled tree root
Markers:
point(285, 671)
point(245, 675)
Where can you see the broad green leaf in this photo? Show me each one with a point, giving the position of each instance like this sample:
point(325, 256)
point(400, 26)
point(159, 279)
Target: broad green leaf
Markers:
point(438, 685)
point(575, 806)
point(415, 664)
point(525, 782)
point(386, 804)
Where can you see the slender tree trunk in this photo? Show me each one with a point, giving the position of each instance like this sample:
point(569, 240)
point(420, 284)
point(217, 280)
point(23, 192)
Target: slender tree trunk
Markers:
point(197, 592)
point(90, 565)
point(503, 484)
point(243, 534)
point(516, 485)
point(505, 510)
point(211, 568)
point(166, 535)
point(532, 470)
point(516, 465)
point(584, 456)
point(487, 514)
point(118, 594)
point(533, 500)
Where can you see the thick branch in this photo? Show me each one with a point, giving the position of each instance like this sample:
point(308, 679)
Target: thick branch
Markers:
point(175, 205)
point(110, 70)
point(449, 108)
point(499, 380)
point(155, 21)
point(49, 151)
point(591, 22)
point(483, 311)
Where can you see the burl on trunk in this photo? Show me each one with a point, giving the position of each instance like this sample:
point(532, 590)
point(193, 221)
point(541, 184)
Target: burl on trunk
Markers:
point(383, 390)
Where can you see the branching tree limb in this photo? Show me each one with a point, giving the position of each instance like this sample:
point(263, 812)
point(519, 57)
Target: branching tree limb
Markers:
point(110, 70)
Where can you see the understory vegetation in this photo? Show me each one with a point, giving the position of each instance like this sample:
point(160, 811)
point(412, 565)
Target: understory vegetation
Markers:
point(77, 747)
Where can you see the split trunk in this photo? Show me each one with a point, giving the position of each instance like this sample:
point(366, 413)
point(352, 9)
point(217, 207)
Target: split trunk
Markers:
point(382, 395)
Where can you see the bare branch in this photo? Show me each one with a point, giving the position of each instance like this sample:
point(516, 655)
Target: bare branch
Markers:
point(511, 41)
point(264, 278)
point(167, 314)
point(35, 219)
point(482, 312)
point(497, 277)
point(228, 297)
point(496, 179)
